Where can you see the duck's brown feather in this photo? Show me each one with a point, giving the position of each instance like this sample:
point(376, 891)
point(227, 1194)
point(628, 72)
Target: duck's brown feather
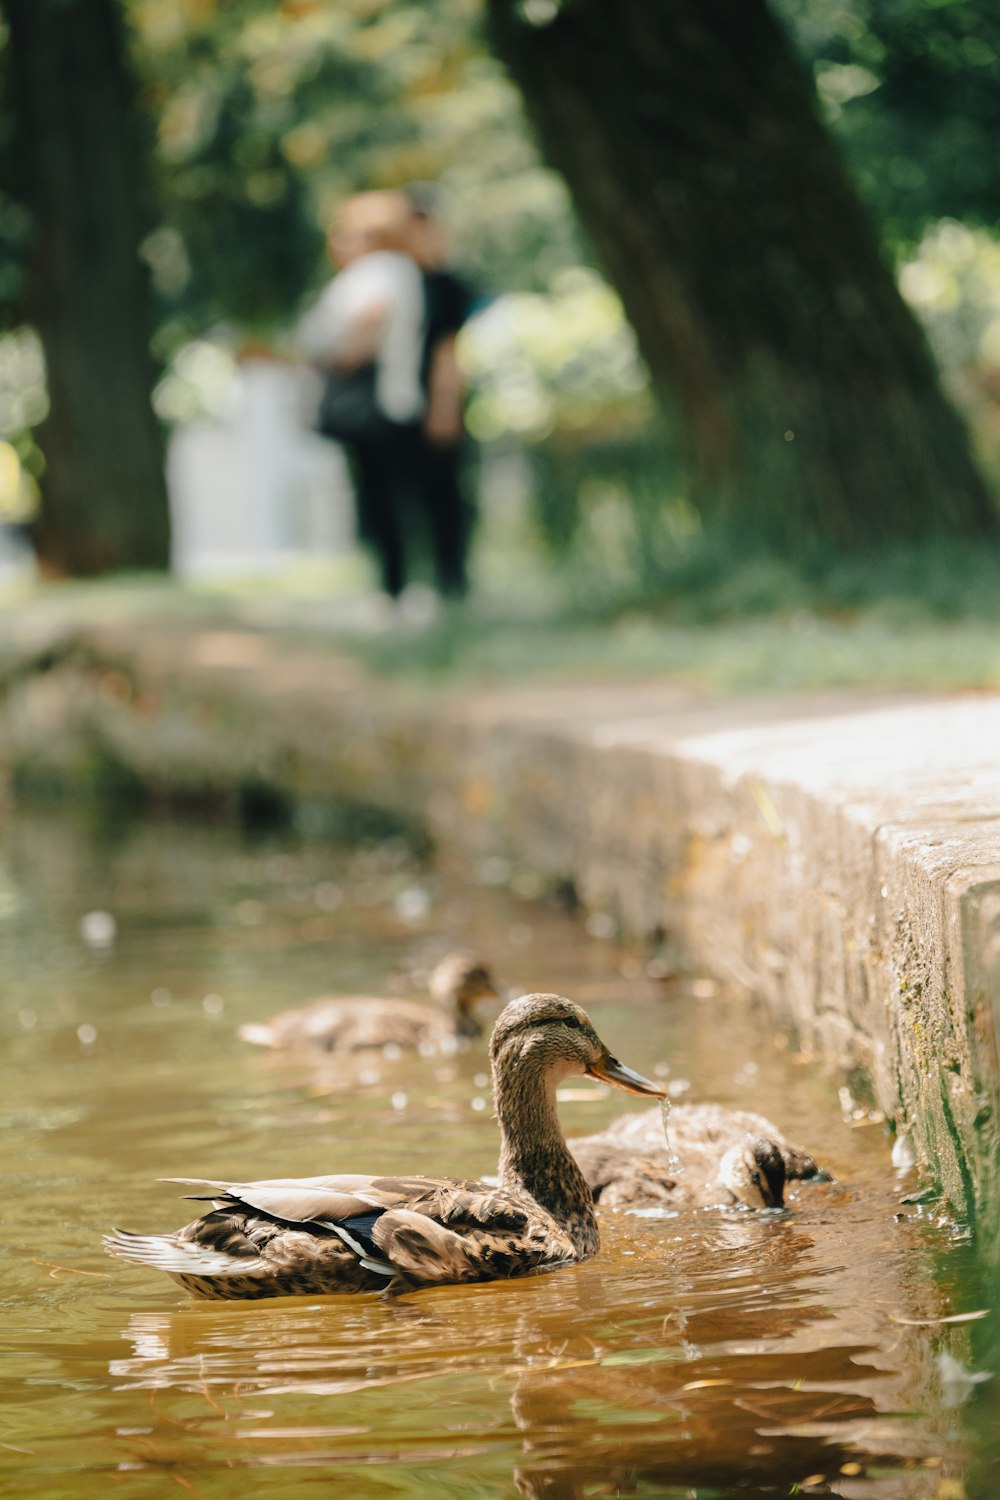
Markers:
point(701, 1133)
point(353, 1023)
point(302, 1236)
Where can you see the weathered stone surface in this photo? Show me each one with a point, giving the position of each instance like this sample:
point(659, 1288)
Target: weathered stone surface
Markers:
point(839, 855)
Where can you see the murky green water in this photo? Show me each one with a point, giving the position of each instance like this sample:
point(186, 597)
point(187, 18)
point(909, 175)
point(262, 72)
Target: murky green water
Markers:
point(703, 1354)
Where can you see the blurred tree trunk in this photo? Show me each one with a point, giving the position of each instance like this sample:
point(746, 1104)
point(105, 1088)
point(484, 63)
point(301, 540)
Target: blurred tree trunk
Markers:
point(104, 503)
point(688, 134)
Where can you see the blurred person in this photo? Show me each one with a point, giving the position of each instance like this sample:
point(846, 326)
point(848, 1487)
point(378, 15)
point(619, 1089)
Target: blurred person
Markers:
point(366, 335)
point(448, 304)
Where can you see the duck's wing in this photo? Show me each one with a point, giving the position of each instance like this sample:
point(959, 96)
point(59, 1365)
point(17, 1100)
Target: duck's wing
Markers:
point(623, 1177)
point(349, 1023)
point(423, 1229)
point(282, 1232)
point(441, 1230)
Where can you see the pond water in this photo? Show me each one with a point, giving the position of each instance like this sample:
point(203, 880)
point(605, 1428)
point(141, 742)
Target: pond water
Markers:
point(702, 1354)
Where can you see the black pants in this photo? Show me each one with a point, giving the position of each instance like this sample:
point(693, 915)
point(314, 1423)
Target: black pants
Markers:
point(449, 516)
point(385, 488)
point(402, 481)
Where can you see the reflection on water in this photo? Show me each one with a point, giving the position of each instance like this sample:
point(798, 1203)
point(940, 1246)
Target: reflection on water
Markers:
point(702, 1354)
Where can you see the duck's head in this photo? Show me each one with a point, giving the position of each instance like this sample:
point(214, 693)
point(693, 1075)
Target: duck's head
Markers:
point(754, 1172)
point(558, 1038)
point(460, 981)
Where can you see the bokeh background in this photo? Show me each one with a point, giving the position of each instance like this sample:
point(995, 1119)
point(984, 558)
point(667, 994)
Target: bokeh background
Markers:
point(764, 430)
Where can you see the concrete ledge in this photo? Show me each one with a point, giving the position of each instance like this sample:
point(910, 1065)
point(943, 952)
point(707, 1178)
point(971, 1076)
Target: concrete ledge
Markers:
point(839, 855)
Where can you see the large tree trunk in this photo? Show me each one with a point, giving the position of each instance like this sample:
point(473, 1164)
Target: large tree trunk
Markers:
point(689, 138)
point(104, 504)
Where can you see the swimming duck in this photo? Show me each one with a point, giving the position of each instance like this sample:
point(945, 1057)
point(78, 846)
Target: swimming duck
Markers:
point(355, 1023)
point(312, 1235)
point(750, 1173)
point(700, 1133)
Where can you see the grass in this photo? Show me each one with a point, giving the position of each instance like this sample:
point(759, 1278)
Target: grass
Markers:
point(922, 617)
point(720, 620)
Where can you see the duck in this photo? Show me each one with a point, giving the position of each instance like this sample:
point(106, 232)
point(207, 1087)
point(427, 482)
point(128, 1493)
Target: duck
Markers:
point(700, 1133)
point(311, 1236)
point(357, 1023)
point(749, 1174)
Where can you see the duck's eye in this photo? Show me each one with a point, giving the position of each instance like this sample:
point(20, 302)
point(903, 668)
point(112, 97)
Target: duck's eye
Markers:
point(571, 1021)
point(755, 1178)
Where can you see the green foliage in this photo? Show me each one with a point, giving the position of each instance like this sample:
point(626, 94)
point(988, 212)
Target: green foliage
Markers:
point(266, 112)
point(14, 220)
point(246, 98)
point(953, 283)
point(268, 115)
point(728, 621)
point(910, 87)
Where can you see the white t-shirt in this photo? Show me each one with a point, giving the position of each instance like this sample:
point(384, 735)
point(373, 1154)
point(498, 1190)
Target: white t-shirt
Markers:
point(392, 280)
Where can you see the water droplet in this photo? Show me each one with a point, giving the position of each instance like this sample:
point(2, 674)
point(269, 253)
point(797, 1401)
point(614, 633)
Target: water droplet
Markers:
point(600, 924)
point(160, 996)
point(213, 1005)
point(481, 1080)
point(392, 1052)
point(27, 1017)
point(674, 1163)
point(369, 1076)
point(98, 929)
point(478, 1103)
point(903, 1155)
point(87, 1034)
point(413, 904)
point(398, 1101)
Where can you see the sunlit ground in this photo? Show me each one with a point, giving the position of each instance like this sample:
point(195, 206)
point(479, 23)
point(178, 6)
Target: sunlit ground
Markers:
point(757, 627)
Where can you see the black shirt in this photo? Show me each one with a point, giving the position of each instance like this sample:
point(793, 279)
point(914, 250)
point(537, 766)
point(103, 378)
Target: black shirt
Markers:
point(448, 303)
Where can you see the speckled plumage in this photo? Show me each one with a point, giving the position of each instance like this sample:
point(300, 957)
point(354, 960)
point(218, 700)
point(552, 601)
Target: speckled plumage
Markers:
point(350, 1233)
point(750, 1173)
point(701, 1133)
point(358, 1023)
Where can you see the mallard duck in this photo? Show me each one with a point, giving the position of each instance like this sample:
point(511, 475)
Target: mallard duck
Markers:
point(356, 1023)
point(700, 1133)
point(750, 1173)
point(311, 1235)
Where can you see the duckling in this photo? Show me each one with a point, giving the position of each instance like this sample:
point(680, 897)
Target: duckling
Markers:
point(312, 1235)
point(699, 1132)
point(355, 1023)
point(750, 1173)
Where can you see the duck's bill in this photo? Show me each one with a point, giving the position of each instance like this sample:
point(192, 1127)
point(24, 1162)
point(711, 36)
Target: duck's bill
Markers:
point(610, 1070)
